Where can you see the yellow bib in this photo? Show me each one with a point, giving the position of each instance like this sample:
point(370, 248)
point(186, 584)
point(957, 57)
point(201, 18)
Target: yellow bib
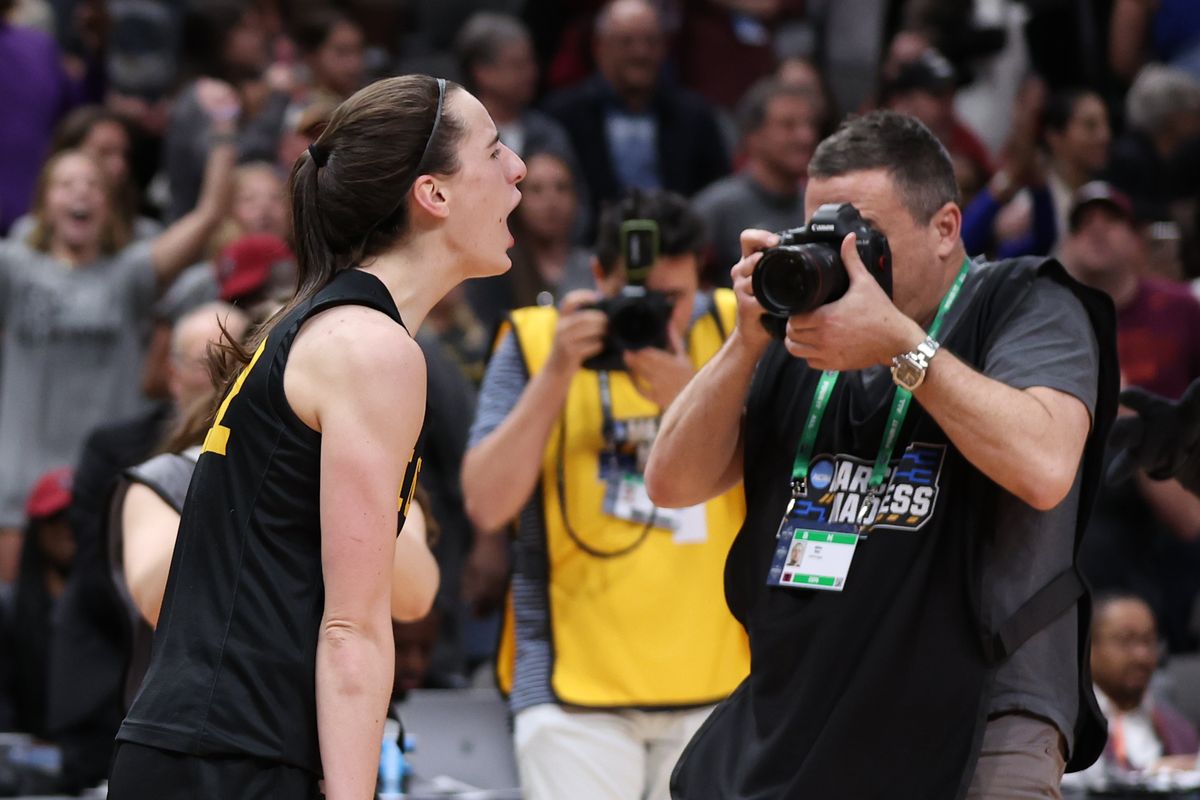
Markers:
point(649, 627)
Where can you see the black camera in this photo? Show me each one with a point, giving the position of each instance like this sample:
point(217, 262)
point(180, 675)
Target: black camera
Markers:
point(637, 317)
point(805, 270)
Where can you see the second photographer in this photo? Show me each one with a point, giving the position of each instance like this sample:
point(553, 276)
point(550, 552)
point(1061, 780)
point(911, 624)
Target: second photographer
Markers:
point(618, 640)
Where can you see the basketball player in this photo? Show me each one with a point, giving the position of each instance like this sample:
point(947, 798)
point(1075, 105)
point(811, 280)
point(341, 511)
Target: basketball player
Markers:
point(272, 662)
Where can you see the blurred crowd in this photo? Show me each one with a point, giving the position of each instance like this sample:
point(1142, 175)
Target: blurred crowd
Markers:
point(145, 148)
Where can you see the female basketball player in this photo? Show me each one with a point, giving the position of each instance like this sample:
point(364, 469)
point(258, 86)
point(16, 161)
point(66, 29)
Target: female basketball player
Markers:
point(272, 660)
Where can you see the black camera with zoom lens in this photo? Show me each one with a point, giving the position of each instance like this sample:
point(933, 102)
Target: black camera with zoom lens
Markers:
point(805, 270)
point(637, 317)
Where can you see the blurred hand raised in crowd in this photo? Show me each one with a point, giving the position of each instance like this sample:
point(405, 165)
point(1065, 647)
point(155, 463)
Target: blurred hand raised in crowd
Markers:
point(1022, 164)
point(579, 334)
point(750, 329)
point(859, 330)
point(660, 375)
point(219, 101)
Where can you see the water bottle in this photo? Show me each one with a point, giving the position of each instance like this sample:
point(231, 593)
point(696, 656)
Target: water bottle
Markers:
point(391, 765)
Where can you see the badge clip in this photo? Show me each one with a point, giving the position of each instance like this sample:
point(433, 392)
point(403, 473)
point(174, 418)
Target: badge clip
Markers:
point(799, 487)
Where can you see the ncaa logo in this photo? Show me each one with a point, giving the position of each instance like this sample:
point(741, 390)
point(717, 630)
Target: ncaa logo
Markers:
point(820, 475)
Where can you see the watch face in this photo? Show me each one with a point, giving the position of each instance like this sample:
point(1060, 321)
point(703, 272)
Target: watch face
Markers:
point(907, 374)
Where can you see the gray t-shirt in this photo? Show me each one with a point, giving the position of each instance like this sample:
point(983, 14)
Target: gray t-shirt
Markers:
point(1047, 341)
point(735, 203)
point(74, 343)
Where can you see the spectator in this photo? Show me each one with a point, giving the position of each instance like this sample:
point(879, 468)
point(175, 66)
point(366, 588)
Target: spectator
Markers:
point(414, 643)
point(1156, 160)
point(779, 131)
point(1158, 323)
point(36, 91)
point(103, 135)
point(619, 621)
point(260, 203)
point(1144, 733)
point(1167, 31)
point(495, 55)
point(1024, 208)
point(631, 129)
point(546, 265)
point(1144, 534)
point(924, 88)
point(742, 32)
point(46, 562)
point(803, 73)
point(75, 302)
point(301, 128)
point(223, 39)
point(331, 44)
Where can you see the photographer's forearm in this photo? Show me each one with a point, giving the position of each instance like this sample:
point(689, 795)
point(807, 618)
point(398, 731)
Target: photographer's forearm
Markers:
point(1029, 441)
point(501, 472)
point(698, 452)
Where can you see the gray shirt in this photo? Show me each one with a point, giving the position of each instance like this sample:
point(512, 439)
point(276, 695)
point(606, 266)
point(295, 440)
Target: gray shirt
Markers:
point(735, 203)
point(1046, 341)
point(74, 343)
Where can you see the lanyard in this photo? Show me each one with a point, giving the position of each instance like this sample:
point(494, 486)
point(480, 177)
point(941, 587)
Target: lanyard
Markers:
point(900, 404)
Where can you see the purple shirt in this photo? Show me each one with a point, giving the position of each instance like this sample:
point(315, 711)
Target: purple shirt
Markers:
point(34, 93)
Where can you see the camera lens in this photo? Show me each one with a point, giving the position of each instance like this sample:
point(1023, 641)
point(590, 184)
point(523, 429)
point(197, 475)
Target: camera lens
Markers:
point(794, 279)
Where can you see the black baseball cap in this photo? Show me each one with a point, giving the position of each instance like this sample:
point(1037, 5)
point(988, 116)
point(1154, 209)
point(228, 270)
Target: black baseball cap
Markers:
point(929, 72)
point(1101, 193)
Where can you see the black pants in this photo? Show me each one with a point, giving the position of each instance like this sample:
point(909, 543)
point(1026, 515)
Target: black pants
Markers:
point(147, 773)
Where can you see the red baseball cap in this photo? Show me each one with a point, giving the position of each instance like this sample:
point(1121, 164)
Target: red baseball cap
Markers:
point(244, 266)
point(51, 494)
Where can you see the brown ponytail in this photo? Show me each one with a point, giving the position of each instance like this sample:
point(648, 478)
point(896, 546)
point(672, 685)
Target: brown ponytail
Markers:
point(354, 204)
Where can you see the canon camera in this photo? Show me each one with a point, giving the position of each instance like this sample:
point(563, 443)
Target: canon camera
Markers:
point(805, 270)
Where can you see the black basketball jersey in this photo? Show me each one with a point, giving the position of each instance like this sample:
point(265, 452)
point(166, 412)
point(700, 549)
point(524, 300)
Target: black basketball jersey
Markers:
point(234, 656)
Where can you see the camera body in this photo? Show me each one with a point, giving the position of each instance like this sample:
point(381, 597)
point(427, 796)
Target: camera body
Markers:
point(805, 270)
point(637, 317)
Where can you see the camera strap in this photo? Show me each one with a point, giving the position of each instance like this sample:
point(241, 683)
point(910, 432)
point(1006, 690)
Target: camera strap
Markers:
point(901, 401)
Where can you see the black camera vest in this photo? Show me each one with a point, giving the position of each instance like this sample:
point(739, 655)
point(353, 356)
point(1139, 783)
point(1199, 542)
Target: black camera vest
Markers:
point(881, 691)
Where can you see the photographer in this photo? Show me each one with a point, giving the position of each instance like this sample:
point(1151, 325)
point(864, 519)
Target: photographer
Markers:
point(933, 636)
point(618, 639)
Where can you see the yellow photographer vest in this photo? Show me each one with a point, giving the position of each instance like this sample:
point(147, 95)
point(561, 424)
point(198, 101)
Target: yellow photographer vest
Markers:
point(649, 627)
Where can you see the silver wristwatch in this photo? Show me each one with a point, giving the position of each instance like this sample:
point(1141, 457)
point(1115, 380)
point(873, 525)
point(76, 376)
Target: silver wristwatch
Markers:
point(908, 369)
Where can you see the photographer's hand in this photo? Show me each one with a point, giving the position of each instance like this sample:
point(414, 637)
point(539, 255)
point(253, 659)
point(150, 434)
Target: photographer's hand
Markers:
point(861, 329)
point(660, 375)
point(579, 334)
point(750, 331)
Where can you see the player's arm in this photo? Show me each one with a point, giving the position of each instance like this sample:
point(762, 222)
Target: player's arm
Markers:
point(500, 473)
point(697, 454)
point(414, 570)
point(362, 381)
point(149, 527)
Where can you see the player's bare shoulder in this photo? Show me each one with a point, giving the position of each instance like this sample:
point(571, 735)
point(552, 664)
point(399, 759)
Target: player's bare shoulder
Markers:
point(350, 349)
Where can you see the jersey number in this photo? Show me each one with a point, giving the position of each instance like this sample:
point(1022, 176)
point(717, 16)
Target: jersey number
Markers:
point(218, 435)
